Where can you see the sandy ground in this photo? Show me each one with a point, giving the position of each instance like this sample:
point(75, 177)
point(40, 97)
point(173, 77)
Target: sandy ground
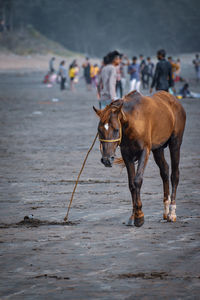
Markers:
point(42, 147)
point(12, 63)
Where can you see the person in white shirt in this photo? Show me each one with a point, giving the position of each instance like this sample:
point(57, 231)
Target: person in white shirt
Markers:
point(107, 80)
point(63, 74)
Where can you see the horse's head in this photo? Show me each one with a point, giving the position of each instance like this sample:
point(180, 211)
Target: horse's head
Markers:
point(110, 132)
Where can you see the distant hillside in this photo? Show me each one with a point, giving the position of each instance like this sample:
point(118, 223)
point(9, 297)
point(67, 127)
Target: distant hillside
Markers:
point(28, 41)
point(96, 27)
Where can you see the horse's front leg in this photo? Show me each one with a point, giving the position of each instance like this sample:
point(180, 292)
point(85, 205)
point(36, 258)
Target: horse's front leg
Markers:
point(138, 213)
point(130, 166)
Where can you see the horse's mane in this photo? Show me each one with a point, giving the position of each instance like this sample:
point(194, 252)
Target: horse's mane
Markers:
point(128, 102)
point(132, 96)
point(105, 114)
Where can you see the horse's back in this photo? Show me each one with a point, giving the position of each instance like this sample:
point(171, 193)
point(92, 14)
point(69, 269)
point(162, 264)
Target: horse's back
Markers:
point(167, 99)
point(162, 103)
point(147, 107)
point(155, 118)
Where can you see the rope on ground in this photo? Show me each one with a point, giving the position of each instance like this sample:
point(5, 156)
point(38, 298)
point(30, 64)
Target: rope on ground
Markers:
point(77, 180)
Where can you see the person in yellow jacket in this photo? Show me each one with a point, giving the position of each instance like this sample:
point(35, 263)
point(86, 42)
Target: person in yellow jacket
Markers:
point(175, 68)
point(73, 74)
point(174, 65)
point(94, 72)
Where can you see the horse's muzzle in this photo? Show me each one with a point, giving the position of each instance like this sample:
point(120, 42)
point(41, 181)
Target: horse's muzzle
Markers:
point(107, 161)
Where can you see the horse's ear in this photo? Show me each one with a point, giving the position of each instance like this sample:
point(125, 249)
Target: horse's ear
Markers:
point(97, 111)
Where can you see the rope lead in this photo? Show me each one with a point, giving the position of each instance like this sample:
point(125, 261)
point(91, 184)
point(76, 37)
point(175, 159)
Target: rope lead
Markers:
point(77, 180)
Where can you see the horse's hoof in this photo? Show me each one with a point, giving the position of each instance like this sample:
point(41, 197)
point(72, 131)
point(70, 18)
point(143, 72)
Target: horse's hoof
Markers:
point(164, 216)
point(130, 222)
point(138, 222)
point(171, 218)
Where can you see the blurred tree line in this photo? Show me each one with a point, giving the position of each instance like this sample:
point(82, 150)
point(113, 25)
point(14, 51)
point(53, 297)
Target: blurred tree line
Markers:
point(96, 26)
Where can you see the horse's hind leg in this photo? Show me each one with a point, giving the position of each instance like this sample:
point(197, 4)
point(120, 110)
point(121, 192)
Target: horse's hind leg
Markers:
point(174, 147)
point(164, 173)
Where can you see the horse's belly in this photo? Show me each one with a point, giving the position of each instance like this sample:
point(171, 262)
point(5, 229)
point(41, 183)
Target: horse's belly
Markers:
point(163, 144)
point(162, 132)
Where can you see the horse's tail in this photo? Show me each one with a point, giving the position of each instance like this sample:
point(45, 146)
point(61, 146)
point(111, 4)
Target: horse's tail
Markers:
point(119, 161)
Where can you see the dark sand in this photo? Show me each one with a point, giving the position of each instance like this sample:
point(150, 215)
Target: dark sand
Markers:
point(43, 144)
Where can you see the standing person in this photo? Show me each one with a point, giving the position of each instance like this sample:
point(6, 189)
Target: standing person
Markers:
point(150, 68)
point(134, 71)
point(87, 74)
point(73, 74)
point(107, 79)
point(178, 70)
point(162, 78)
point(94, 74)
point(63, 75)
point(174, 65)
point(121, 78)
point(143, 70)
point(119, 81)
point(76, 71)
point(51, 66)
point(124, 62)
point(196, 63)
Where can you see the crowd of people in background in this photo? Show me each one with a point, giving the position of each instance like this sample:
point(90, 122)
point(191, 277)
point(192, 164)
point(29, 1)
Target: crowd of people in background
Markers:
point(110, 78)
point(71, 74)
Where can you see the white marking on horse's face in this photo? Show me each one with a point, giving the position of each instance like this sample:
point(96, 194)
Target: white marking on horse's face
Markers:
point(106, 126)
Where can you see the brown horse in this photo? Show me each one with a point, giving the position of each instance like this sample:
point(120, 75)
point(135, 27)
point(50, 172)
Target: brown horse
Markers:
point(141, 124)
